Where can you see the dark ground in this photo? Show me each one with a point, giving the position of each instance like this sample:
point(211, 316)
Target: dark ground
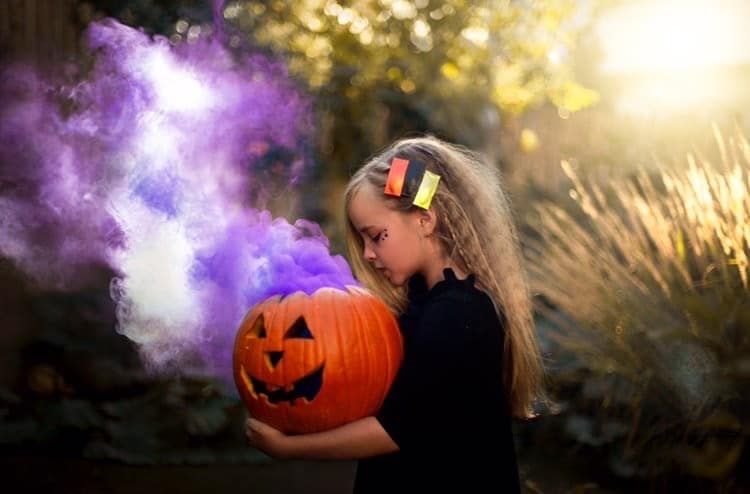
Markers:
point(32, 474)
point(47, 475)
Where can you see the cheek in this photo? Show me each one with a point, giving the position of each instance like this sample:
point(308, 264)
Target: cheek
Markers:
point(403, 256)
point(402, 243)
point(388, 249)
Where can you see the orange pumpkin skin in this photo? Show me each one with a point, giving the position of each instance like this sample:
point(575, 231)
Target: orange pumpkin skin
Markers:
point(340, 349)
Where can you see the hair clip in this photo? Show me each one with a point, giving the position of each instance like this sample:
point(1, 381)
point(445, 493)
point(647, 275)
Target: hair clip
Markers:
point(410, 178)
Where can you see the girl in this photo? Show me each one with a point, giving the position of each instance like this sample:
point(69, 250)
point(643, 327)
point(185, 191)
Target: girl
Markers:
point(430, 231)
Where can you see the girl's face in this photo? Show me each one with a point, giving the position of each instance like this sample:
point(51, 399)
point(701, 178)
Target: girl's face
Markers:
point(393, 243)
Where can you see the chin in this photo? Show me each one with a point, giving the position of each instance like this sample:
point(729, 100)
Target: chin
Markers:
point(397, 281)
point(394, 280)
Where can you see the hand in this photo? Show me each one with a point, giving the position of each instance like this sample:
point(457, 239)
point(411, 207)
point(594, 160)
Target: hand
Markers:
point(264, 437)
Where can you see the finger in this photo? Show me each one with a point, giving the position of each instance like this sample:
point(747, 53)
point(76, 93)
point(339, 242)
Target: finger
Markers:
point(249, 430)
point(250, 436)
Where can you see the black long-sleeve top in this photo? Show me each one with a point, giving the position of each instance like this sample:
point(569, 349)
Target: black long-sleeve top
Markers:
point(446, 409)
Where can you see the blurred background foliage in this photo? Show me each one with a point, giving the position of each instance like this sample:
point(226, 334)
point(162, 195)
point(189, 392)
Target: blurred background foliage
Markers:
point(646, 284)
point(633, 211)
point(384, 68)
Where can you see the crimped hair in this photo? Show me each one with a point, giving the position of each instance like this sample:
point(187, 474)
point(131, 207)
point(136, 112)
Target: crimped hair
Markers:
point(476, 230)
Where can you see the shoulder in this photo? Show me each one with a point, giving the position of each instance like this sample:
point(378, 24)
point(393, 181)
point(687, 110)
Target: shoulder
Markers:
point(467, 304)
point(459, 311)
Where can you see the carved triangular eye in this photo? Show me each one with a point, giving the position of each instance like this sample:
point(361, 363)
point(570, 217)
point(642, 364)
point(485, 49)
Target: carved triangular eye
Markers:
point(299, 330)
point(259, 328)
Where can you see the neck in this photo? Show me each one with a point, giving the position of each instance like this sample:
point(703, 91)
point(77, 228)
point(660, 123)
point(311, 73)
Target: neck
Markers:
point(435, 262)
point(434, 273)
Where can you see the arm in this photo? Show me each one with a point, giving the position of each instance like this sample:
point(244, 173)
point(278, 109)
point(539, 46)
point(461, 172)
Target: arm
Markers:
point(359, 439)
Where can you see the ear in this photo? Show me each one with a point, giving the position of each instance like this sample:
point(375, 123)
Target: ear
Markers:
point(427, 221)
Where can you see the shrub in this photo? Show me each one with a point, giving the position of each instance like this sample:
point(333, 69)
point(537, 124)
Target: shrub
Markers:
point(646, 283)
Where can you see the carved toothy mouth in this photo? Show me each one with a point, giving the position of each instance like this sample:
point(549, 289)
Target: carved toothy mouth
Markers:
point(306, 388)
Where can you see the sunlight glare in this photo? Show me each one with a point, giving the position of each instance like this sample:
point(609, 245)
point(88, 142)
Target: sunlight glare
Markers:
point(676, 56)
point(669, 35)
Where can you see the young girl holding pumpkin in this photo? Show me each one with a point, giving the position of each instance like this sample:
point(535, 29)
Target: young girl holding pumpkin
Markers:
point(430, 231)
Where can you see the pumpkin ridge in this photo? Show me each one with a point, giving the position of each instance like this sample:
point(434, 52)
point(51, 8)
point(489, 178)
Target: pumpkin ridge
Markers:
point(284, 303)
point(321, 335)
point(392, 343)
point(387, 350)
point(373, 356)
point(342, 316)
point(363, 330)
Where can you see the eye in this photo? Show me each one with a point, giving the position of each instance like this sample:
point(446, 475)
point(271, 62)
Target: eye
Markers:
point(299, 330)
point(377, 237)
point(259, 328)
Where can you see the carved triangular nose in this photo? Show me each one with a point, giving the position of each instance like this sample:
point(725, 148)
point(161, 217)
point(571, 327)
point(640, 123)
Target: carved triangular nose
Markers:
point(274, 357)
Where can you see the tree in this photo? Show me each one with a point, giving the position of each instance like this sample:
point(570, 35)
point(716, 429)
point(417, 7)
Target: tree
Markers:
point(383, 68)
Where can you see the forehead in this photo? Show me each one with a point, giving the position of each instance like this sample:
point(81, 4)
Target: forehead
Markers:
point(367, 208)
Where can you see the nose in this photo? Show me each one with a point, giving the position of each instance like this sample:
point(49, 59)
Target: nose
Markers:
point(273, 358)
point(368, 254)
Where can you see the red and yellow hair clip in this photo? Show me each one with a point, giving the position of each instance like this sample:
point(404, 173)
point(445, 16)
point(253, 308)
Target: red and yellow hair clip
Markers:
point(411, 178)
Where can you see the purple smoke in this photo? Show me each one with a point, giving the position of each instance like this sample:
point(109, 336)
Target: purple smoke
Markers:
point(145, 163)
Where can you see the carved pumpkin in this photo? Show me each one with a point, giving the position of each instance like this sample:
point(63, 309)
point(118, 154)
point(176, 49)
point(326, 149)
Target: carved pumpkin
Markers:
point(307, 363)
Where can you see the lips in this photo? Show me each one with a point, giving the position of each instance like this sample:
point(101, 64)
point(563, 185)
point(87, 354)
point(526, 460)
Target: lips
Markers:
point(306, 388)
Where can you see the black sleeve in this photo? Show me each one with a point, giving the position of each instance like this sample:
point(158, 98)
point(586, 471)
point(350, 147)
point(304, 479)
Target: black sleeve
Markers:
point(445, 357)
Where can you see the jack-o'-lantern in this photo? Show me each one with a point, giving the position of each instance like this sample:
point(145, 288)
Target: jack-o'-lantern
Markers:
point(307, 363)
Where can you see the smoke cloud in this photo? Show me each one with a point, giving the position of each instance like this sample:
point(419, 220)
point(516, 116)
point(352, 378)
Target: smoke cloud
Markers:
point(143, 161)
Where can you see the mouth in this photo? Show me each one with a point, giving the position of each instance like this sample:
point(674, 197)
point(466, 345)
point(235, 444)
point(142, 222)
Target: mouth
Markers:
point(303, 389)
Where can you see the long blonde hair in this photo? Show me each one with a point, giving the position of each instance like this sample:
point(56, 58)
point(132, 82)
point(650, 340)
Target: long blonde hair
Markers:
point(475, 227)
